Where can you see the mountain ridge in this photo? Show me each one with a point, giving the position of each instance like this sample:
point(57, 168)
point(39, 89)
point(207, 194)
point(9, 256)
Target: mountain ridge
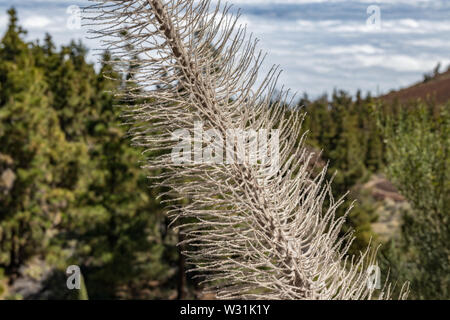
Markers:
point(434, 88)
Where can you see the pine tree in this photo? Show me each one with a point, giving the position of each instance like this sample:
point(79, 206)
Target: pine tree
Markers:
point(418, 142)
point(44, 163)
point(71, 191)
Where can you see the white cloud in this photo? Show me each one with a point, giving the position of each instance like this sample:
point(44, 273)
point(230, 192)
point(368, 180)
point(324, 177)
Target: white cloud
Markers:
point(397, 62)
point(352, 49)
point(399, 26)
point(430, 43)
point(318, 53)
point(409, 2)
point(3, 21)
point(36, 22)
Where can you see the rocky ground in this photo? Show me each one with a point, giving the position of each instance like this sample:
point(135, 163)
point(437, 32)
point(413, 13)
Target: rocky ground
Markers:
point(390, 205)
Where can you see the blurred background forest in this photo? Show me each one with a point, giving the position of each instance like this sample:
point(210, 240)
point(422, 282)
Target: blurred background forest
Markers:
point(72, 191)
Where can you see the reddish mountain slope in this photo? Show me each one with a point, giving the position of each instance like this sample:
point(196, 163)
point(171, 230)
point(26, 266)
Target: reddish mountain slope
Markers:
point(436, 88)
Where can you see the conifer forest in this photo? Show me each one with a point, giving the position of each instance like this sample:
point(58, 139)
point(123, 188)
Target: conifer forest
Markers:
point(96, 169)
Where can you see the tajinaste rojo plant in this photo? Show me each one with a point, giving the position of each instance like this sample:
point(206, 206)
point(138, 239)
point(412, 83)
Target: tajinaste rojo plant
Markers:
point(260, 228)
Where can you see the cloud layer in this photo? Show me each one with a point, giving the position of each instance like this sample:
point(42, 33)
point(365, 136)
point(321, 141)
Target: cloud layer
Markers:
point(320, 44)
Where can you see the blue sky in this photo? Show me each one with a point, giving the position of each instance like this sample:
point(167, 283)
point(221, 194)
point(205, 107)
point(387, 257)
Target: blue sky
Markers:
point(320, 45)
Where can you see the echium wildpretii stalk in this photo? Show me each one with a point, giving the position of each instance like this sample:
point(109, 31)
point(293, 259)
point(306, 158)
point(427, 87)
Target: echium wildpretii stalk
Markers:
point(259, 225)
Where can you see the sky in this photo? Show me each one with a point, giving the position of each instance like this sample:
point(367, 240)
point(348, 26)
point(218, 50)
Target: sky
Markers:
point(320, 45)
